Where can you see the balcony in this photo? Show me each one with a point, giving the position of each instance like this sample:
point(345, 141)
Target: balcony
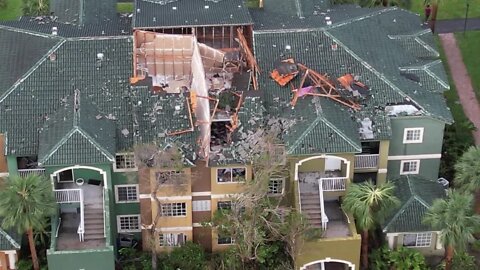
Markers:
point(26, 172)
point(366, 161)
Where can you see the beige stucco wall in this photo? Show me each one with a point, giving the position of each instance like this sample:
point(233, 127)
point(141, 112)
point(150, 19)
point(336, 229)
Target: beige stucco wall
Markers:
point(431, 250)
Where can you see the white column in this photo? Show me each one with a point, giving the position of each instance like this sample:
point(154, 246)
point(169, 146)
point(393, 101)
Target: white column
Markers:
point(439, 242)
point(391, 240)
point(12, 259)
point(322, 265)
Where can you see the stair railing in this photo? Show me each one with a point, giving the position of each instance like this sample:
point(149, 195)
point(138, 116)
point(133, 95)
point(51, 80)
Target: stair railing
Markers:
point(81, 225)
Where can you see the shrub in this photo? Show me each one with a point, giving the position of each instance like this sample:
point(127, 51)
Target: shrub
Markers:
point(401, 259)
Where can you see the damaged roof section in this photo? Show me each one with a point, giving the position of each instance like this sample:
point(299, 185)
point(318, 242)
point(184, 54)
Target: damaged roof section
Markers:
point(81, 12)
point(77, 134)
point(186, 13)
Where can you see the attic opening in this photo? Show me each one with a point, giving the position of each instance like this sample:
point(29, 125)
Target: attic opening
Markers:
point(371, 147)
point(27, 162)
point(220, 134)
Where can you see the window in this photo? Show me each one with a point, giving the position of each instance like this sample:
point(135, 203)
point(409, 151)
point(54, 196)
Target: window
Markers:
point(125, 162)
point(417, 240)
point(201, 205)
point(275, 186)
point(174, 209)
point(409, 166)
point(225, 240)
point(172, 239)
point(224, 205)
point(413, 135)
point(231, 175)
point(171, 177)
point(130, 223)
point(126, 193)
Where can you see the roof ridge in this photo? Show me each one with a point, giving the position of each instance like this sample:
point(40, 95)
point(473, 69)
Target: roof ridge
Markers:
point(373, 70)
point(341, 133)
point(31, 70)
point(415, 194)
point(58, 145)
point(9, 238)
point(304, 134)
point(399, 212)
point(426, 67)
point(30, 32)
point(95, 144)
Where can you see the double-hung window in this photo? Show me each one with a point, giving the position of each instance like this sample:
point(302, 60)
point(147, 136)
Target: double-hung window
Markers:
point(124, 162)
point(126, 193)
point(409, 166)
point(174, 209)
point(128, 223)
point(413, 135)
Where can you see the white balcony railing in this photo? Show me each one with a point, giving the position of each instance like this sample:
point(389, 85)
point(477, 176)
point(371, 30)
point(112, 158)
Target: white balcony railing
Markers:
point(26, 172)
point(334, 183)
point(81, 225)
point(68, 195)
point(366, 161)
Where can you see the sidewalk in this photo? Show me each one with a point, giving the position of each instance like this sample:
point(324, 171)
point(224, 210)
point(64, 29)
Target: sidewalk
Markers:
point(462, 81)
point(456, 25)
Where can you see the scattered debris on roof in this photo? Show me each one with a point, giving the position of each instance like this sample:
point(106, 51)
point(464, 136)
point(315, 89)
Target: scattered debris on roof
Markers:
point(401, 109)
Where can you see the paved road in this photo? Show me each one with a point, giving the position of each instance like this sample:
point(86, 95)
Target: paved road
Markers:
point(462, 81)
point(456, 25)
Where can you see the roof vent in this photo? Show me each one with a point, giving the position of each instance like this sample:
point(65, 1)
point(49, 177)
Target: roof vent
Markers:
point(100, 56)
point(207, 7)
point(288, 47)
point(54, 30)
point(138, 10)
point(154, 19)
point(334, 46)
point(174, 8)
point(53, 57)
point(328, 21)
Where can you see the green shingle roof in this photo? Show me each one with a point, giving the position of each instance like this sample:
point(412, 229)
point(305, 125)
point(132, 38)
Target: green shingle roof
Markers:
point(81, 12)
point(77, 134)
point(416, 195)
point(185, 13)
point(20, 54)
point(26, 107)
point(10, 239)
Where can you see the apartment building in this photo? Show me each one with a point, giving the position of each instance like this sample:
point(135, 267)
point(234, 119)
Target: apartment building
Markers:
point(359, 90)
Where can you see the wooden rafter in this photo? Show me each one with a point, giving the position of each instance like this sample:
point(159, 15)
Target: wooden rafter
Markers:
point(324, 87)
point(252, 62)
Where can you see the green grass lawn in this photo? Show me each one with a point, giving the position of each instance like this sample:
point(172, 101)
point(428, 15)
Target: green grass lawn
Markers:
point(450, 9)
point(469, 45)
point(125, 7)
point(12, 11)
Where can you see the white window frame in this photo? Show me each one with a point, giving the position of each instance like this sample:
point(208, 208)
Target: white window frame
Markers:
point(117, 198)
point(171, 212)
point(407, 130)
point(232, 241)
point(119, 227)
point(281, 189)
point(231, 175)
point(171, 239)
point(202, 205)
point(417, 168)
point(131, 160)
point(422, 240)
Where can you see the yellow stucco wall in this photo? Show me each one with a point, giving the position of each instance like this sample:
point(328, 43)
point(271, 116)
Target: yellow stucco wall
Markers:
point(180, 221)
point(383, 162)
point(166, 190)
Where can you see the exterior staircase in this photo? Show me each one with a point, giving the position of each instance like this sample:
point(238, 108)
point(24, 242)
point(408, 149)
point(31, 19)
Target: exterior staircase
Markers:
point(310, 203)
point(93, 222)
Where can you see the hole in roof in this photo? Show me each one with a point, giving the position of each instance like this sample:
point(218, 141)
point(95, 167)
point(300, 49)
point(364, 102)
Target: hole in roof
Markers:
point(411, 76)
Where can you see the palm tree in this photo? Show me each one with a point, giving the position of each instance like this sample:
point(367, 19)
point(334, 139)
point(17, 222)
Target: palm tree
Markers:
point(369, 204)
point(456, 221)
point(467, 176)
point(25, 204)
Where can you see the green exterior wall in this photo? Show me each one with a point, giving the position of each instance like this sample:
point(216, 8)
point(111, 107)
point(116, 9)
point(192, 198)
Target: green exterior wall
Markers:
point(428, 168)
point(124, 178)
point(12, 164)
point(432, 136)
point(99, 259)
point(432, 144)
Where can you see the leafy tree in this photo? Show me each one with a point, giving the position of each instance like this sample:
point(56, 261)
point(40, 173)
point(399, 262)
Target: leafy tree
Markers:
point(455, 219)
point(25, 204)
point(461, 261)
point(369, 204)
point(467, 176)
point(189, 256)
point(35, 7)
point(401, 258)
